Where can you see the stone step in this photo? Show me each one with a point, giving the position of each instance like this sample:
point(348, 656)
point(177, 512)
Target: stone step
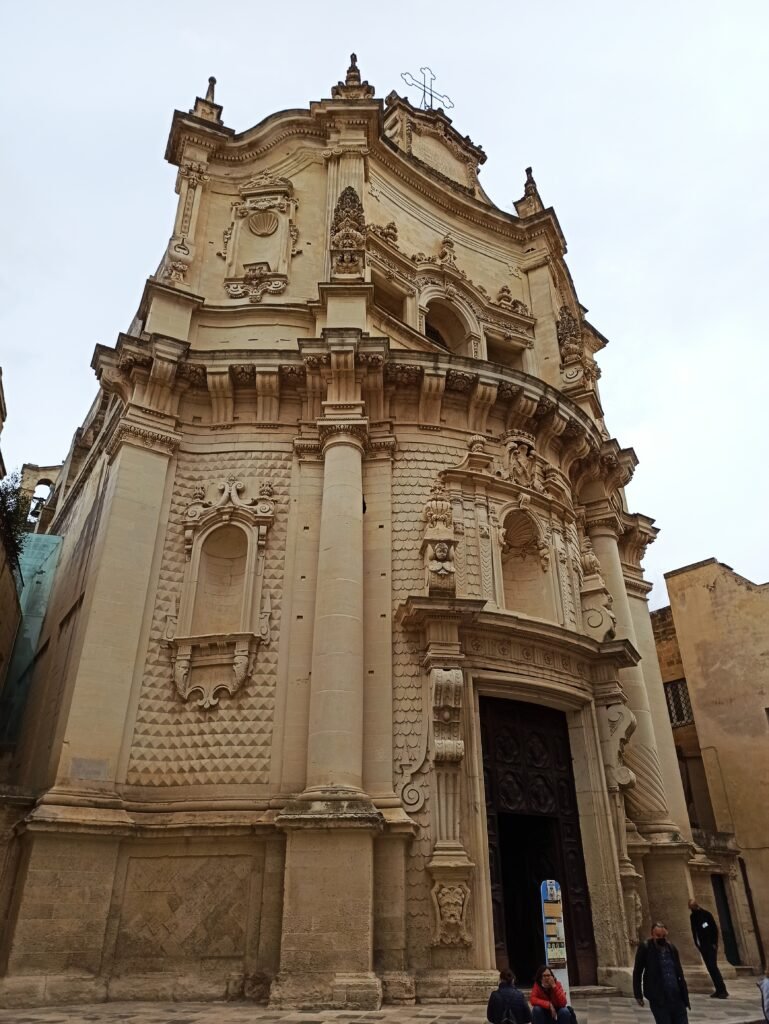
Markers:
point(593, 991)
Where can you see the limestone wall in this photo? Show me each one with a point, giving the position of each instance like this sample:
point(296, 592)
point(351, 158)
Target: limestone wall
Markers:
point(721, 624)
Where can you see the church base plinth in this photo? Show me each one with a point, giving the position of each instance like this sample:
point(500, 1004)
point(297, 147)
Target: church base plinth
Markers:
point(326, 957)
point(668, 888)
point(398, 988)
point(455, 986)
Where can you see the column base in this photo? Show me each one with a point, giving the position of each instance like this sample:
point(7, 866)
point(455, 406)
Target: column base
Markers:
point(327, 991)
point(330, 809)
point(398, 988)
point(455, 986)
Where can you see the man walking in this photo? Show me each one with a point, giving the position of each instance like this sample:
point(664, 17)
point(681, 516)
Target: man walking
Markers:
point(705, 935)
point(658, 976)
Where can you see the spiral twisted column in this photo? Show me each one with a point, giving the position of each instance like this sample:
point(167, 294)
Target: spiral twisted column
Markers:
point(646, 801)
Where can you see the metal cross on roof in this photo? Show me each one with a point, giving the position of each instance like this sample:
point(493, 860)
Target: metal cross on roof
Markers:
point(426, 85)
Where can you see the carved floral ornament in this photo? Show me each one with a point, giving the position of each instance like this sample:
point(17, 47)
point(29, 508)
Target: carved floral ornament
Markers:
point(348, 236)
point(205, 663)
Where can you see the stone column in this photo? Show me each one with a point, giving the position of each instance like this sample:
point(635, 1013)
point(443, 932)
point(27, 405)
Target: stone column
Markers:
point(637, 591)
point(328, 903)
point(666, 872)
point(335, 739)
point(647, 802)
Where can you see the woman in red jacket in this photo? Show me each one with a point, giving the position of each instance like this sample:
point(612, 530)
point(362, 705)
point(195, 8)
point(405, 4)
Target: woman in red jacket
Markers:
point(548, 999)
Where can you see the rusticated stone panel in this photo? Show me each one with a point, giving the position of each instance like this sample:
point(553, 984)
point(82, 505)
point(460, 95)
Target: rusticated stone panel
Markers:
point(182, 909)
point(180, 744)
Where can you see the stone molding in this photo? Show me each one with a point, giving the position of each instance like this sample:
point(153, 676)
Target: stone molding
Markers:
point(142, 437)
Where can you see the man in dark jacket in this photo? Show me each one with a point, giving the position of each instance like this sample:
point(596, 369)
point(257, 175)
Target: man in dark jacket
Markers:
point(508, 1003)
point(658, 976)
point(705, 935)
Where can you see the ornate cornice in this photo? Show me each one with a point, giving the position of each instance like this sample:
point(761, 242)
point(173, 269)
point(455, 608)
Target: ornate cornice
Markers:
point(142, 437)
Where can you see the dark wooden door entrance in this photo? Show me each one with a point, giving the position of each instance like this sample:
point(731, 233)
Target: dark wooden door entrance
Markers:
point(533, 822)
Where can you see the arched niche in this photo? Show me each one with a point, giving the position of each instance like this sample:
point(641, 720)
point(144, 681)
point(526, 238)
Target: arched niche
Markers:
point(221, 581)
point(526, 584)
point(223, 617)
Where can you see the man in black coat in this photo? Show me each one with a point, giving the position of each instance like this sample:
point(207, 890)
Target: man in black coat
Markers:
point(508, 1003)
point(658, 976)
point(705, 935)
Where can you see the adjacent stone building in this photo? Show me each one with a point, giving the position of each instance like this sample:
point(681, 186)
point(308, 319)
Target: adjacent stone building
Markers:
point(713, 647)
point(348, 647)
point(10, 609)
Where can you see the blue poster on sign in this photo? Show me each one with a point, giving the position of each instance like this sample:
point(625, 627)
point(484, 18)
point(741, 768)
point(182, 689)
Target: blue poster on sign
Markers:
point(554, 932)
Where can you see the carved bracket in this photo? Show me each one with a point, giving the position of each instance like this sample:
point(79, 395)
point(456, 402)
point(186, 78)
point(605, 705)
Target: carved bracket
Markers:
point(219, 663)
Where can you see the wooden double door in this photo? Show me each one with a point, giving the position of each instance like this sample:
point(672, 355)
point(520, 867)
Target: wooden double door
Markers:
point(534, 834)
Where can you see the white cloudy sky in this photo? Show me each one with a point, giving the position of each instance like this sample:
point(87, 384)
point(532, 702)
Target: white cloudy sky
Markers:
point(646, 125)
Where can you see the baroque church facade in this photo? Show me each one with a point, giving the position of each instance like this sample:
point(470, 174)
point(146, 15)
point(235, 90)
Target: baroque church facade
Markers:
point(348, 646)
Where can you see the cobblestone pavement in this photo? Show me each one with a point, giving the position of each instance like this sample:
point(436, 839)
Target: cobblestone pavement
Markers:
point(742, 1008)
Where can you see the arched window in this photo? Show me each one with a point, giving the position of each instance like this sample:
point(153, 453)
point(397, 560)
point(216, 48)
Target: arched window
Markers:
point(444, 326)
point(525, 563)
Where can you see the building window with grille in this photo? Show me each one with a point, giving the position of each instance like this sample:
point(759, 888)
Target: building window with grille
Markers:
point(679, 705)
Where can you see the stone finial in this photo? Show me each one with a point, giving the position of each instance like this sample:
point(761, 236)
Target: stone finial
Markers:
point(353, 72)
point(352, 88)
point(531, 202)
point(207, 108)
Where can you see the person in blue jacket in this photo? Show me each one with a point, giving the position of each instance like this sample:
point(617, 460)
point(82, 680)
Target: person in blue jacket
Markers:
point(507, 1004)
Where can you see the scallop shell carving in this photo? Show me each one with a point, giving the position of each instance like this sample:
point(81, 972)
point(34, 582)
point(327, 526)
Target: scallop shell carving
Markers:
point(263, 223)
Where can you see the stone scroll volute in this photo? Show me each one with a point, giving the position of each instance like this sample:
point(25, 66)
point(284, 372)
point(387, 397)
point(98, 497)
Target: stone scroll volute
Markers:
point(222, 620)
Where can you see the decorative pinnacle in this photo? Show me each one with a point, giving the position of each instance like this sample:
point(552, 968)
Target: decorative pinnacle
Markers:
point(210, 90)
point(353, 72)
point(530, 189)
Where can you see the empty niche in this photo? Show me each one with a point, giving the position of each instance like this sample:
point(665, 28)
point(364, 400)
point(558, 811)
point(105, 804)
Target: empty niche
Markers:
point(221, 582)
point(525, 565)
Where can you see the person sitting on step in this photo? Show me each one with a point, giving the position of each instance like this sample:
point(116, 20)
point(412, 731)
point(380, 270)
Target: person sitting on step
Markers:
point(548, 999)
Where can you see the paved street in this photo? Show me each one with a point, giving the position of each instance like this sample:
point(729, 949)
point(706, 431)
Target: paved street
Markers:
point(743, 1008)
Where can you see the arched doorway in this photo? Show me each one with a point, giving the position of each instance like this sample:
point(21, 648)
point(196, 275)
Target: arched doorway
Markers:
point(534, 834)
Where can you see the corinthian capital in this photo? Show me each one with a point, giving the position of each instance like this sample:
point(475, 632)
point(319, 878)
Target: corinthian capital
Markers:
point(352, 432)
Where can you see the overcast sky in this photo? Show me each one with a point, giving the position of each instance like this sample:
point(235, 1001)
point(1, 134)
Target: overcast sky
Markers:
point(646, 125)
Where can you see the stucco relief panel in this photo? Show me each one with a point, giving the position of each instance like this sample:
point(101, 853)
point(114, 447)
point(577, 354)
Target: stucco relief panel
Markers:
point(181, 744)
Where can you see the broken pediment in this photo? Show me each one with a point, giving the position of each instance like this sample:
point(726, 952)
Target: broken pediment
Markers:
point(429, 140)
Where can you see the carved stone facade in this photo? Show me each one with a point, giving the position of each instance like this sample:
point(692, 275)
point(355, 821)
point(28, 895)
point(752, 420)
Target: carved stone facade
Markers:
point(346, 486)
